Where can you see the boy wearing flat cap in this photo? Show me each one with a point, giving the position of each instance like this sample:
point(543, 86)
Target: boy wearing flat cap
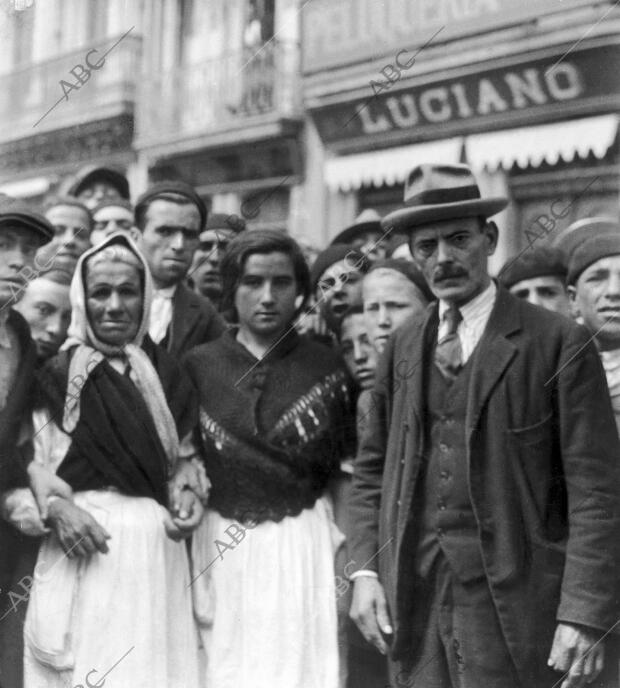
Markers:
point(594, 288)
point(22, 233)
point(365, 235)
point(538, 275)
point(486, 555)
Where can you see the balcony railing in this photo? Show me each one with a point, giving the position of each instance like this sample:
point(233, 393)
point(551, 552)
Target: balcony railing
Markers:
point(224, 93)
point(30, 91)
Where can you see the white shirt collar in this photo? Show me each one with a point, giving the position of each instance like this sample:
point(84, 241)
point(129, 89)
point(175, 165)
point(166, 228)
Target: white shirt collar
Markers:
point(165, 292)
point(483, 302)
point(475, 314)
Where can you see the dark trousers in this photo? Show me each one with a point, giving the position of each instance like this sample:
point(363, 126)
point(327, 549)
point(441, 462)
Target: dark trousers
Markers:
point(461, 643)
point(13, 606)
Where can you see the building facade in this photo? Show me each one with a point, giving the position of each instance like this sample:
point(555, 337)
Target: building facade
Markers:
point(299, 114)
point(525, 92)
point(208, 92)
point(69, 78)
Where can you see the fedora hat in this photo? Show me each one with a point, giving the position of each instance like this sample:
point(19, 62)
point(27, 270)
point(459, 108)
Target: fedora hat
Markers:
point(441, 192)
point(367, 221)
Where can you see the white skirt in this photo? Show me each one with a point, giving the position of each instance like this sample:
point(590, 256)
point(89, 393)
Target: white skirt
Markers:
point(266, 604)
point(132, 604)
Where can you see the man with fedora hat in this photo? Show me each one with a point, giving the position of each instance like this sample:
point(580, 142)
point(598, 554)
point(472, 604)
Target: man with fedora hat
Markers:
point(365, 235)
point(486, 492)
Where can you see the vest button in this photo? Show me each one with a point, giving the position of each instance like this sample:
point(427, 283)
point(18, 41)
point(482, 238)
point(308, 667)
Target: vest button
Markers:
point(439, 532)
point(444, 448)
point(441, 505)
point(444, 475)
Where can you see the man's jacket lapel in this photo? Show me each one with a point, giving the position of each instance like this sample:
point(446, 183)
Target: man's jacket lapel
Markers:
point(491, 357)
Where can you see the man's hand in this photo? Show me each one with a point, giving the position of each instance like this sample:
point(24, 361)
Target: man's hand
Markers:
point(45, 484)
point(369, 611)
point(79, 533)
point(577, 653)
point(184, 517)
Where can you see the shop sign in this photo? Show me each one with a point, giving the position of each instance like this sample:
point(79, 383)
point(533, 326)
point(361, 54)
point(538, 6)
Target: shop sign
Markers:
point(584, 82)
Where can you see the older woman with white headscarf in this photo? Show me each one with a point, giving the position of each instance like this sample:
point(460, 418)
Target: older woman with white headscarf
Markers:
point(112, 577)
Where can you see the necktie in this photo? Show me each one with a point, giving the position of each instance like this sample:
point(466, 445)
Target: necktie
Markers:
point(448, 353)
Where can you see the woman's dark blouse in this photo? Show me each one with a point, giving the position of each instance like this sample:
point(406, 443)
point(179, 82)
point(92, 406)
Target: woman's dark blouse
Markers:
point(272, 431)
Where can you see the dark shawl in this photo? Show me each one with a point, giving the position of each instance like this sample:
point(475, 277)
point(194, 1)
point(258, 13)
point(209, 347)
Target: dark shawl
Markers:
point(115, 442)
point(272, 431)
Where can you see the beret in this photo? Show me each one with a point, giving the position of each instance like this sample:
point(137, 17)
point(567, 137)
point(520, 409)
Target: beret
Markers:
point(174, 187)
point(224, 221)
point(89, 175)
point(589, 252)
point(332, 254)
point(16, 212)
point(539, 261)
point(408, 270)
point(587, 228)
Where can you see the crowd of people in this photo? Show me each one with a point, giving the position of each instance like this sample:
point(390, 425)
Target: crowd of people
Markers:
point(224, 465)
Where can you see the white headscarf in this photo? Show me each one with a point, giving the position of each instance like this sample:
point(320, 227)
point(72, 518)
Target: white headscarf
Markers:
point(91, 351)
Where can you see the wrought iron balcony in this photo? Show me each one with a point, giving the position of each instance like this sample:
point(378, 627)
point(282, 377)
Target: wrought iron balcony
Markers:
point(34, 99)
point(231, 92)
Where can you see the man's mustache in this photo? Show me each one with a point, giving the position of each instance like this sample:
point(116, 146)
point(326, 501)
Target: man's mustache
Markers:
point(448, 272)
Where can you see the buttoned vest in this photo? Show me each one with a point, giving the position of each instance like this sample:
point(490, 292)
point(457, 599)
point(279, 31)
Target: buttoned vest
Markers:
point(442, 510)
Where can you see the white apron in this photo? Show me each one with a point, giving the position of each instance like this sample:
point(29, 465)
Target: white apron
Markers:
point(132, 604)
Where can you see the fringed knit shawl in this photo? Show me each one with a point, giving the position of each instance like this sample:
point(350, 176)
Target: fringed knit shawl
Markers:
point(272, 431)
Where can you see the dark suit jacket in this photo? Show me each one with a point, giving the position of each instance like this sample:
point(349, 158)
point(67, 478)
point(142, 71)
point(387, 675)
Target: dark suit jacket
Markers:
point(14, 547)
point(194, 321)
point(543, 468)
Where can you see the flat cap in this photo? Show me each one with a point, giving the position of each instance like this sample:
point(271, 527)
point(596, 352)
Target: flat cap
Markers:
point(586, 228)
point(539, 261)
point(17, 212)
point(408, 270)
point(224, 221)
point(174, 187)
point(333, 254)
point(589, 251)
point(90, 174)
